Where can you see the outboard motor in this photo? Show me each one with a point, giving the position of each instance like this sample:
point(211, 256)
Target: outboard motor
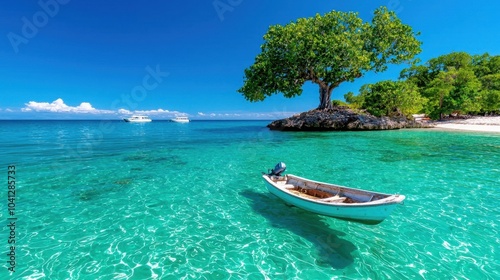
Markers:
point(278, 169)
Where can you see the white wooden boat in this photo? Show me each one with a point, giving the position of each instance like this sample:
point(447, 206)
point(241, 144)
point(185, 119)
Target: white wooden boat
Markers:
point(180, 119)
point(138, 119)
point(332, 200)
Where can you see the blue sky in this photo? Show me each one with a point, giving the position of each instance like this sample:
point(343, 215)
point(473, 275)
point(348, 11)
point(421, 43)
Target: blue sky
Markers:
point(69, 59)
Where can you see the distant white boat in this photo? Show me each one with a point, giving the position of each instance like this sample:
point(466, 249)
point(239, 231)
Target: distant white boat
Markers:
point(180, 119)
point(138, 119)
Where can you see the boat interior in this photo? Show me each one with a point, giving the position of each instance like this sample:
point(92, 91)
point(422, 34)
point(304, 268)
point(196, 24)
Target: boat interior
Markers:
point(325, 192)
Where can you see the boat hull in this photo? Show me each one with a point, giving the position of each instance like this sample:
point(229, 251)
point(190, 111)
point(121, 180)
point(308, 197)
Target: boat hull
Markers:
point(180, 119)
point(366, 213)
point(136, 121)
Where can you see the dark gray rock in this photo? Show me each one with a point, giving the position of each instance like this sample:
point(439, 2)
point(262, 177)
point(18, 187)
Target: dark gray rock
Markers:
point(342, 118)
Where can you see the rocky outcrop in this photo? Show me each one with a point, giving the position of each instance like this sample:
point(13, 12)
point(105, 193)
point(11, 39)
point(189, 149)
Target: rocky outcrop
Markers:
point(342, 118)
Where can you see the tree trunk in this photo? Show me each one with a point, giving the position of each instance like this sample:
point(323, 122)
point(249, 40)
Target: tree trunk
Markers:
point(325, 93)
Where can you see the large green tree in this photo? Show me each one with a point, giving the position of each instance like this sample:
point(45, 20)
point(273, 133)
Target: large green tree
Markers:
point(327, 50)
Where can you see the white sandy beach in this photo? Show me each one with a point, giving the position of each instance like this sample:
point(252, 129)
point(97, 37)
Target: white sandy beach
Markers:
point(486, 124)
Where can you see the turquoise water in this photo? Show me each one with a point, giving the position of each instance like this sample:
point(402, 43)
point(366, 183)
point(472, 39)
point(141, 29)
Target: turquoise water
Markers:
point(114, 200)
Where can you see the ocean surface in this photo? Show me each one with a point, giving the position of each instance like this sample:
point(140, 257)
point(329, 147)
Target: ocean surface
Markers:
point(161, 200)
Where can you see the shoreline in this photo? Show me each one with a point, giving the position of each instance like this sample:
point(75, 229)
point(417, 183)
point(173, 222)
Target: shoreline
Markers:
point(478, 124)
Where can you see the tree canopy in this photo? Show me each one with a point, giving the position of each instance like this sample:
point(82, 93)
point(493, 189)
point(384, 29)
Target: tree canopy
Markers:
point(388, 98)
point(453, 83)
point(327, 50)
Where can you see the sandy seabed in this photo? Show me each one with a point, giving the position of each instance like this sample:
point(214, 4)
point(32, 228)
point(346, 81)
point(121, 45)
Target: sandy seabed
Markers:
point(486, 124)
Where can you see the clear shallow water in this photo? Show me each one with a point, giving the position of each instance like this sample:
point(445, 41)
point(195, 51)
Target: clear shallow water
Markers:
point(102, 200)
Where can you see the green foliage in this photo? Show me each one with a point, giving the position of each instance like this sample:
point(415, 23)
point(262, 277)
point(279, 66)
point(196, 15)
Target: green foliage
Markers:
point(327, 50)
point(455, 60)
point(457, 83)
point(338, 47)
point(453, 91)
point(485, 64)
point(490, 93)
point(339, 103)
point(354, 101)
point(388, 98)
point(422, 75)
point(418, 75)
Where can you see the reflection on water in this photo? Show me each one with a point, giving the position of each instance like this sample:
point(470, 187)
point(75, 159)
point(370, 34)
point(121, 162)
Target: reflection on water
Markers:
point(331, 249)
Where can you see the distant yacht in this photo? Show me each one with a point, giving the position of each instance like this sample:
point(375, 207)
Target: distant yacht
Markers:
point(138, 119)
point(180, 119)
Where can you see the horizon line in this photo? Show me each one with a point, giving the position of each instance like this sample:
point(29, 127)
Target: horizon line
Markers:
point(121, 120)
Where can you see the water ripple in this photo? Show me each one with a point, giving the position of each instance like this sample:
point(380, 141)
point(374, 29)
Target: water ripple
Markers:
point(188, 202)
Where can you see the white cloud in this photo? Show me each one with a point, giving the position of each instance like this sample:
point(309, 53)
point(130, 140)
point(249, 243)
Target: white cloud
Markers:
point(124, 112)
point(85, 109)
point(159, 112)
point(58, 106)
